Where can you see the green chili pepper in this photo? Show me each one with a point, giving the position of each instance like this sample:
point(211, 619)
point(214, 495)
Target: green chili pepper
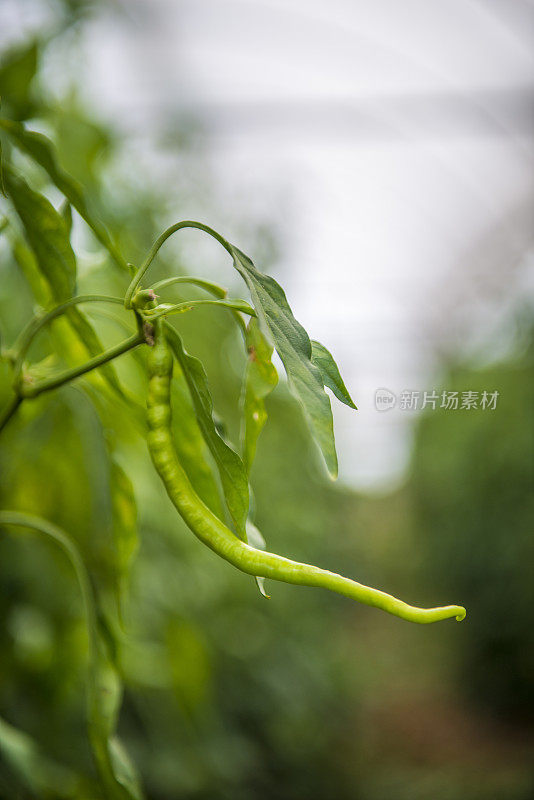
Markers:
point(210, 530)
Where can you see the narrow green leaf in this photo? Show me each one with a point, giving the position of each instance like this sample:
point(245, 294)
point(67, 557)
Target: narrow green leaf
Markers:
point(328, 368)
point(124, 769)
point(255, 539)
point(104, 691)
point(66, 213)
point(27, 263)
point(94, 346)
point(190, 666)
point(3, 189)
point(47, 235)
point(17, 71)
point(260, 380)
point(190, 444)
point(294, 348)
point(231, 469)
point(3, 148)
point(38, 772)
point(125, 533)
point(42, 151)
point(105, 696)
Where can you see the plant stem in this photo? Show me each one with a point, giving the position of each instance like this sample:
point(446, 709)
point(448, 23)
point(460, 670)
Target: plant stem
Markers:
point(213, 288)
point(9, 411)
point(29, 391)
point(27, 335)
point(177, 308)
point(156, 246)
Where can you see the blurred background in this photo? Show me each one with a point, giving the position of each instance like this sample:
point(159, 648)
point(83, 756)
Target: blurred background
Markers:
point(377, 159)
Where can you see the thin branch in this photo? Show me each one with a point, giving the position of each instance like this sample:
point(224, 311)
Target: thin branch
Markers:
point(28, 391)
point(9, 411)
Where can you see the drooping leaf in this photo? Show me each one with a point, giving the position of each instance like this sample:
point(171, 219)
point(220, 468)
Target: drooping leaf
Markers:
point(66, 213)
point(124, 769)
point(294, 348)
point(67, 343)
point(104, 690)
point(83, 142)
point(38, 772)
point(105, 696)
point(190, 665)
point(231, 469)
point(110, 546)
point(190, 444)
point(3, 189)
point(17, 71)
point(255, 539)
point(42, 151)
point(124, 516)
point(125, 533)
point(328, 368)
point(260, 380)
point(27, 263)
point(93, 345)
point(46, 233)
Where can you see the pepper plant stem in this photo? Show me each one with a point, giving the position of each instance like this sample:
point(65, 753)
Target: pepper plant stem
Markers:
point(177, 308)
point(34, 326)
point(29, 391)
point(187, 223)
point(9, 411)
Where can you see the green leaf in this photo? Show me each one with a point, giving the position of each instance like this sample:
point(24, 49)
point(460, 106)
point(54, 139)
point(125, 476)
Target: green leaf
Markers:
point(190, 444)
point(124, 517)
point(66, 213)
point(324, 361)
point(47, 235)
point(190, 667)
point(38, 772)
point(294, 348)
point(255, 539)
point(231, 469)
point(105, 696)
point(94, 346)
point(17, 71)
point(27, 263)
point(125, 533)
point(260, 380)
point(41, 150)
point(83, 142)
point(104, 691)
point(124, 769)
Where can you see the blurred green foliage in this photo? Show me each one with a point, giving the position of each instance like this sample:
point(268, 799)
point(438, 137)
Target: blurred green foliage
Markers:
point(228, 695)
point(473, 486)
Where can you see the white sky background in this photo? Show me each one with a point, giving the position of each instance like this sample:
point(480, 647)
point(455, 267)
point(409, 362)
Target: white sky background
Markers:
point(389, 141)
